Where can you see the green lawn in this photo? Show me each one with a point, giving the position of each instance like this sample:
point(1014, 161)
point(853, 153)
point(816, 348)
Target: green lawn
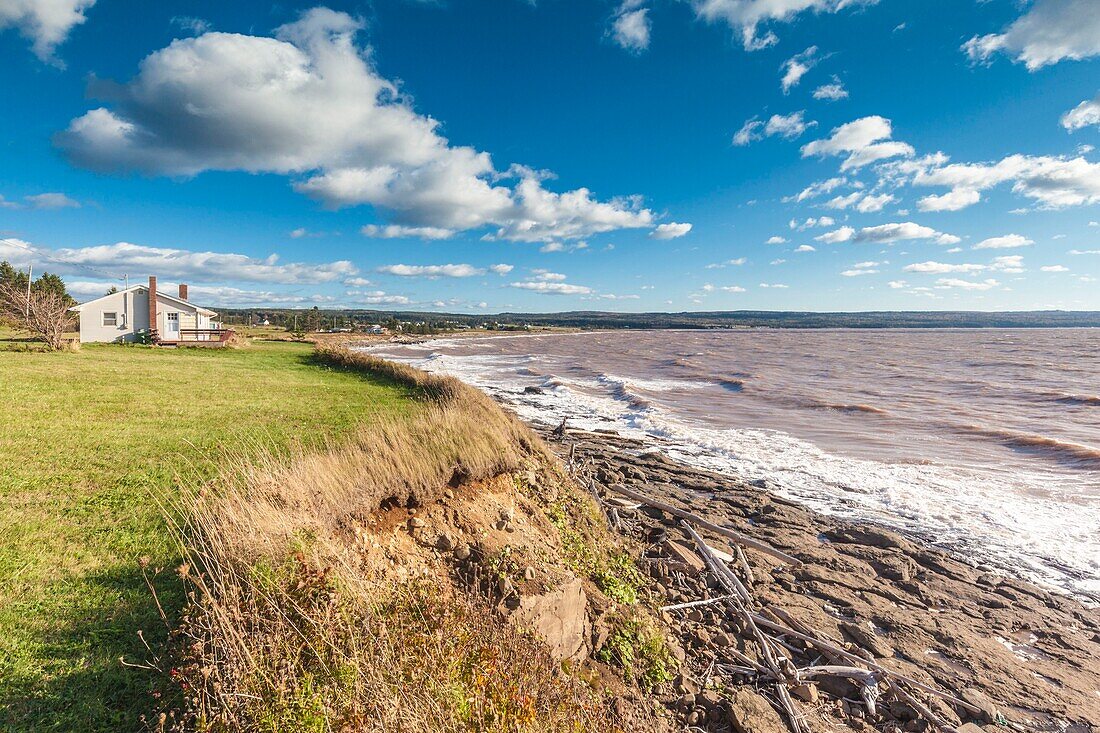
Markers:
point(87, 439)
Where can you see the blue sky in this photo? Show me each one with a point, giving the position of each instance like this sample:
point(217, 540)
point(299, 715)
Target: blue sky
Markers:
point(511, 155)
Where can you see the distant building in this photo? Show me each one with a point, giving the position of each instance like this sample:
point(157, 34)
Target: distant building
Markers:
point(126, 316)
point(376, 329)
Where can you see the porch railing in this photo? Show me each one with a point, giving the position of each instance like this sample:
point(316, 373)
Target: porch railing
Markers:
point(204, 334)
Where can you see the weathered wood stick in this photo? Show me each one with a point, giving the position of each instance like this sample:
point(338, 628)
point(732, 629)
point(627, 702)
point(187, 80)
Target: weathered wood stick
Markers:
point(744, 563)
point(923, 709)
point(709, 526)
point(693, 604)
point(763, 621)
point(717, 566)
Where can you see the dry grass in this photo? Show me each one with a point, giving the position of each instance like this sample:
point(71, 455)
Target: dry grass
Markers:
point(293, 627)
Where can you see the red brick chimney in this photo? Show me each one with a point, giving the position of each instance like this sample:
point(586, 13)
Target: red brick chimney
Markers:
point(183, 292)
point(152, 303)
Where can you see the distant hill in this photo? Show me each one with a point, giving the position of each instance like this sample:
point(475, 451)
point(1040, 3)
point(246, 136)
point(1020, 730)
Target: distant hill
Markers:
point(696, 319)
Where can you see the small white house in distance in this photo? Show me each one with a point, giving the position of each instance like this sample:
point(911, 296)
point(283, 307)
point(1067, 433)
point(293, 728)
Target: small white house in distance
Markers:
point(127, 315)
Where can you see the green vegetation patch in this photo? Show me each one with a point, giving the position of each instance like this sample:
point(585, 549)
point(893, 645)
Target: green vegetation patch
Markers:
point(88, 442)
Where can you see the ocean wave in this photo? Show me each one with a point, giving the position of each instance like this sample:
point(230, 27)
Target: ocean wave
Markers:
point(871, 409)
point(1074, 399)
point(1075, 453)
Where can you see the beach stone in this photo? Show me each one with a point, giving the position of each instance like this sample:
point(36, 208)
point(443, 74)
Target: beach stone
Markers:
point(867, 536)
point(750, 713)
point(559, 619)
point(979, 700)
point(805, 692)
point(868, 639)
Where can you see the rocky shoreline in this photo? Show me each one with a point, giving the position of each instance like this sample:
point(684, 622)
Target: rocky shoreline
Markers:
point(1011, 654)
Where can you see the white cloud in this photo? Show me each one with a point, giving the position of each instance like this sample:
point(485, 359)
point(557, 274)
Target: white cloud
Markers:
point(46, 23)
point(51, 201)
point(953, 200)
point(780, 286)
point(1085, 114)
point(857, 271)
point(432, 271)
point(887, 234)
point(1049, 32)
point(672, 230)
point(746, 16)
point(817, 188)
point(552, 288)
point(796, 67)
point(778, 261)
point(805, 248)
point(732, 289)
point(357, 282)
point(631, 27)
point(942, 268)
point(775, 240)
point(823, 221)
point(1054, 268)
point(728, 263)
point(1084, 251)
point(950, 282)
point(548, 276)
point(786, 126)
point(897, 284)
point(396, 231)
point(863, 203)
point(1008, 241)
point(121, 258)
point(501, 269)
point(307, 103)
point(831, 92)
point(1053, 182)
point(864, 141)
point(377, 297)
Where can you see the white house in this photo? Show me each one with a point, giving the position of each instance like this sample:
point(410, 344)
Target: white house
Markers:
point(127, 315)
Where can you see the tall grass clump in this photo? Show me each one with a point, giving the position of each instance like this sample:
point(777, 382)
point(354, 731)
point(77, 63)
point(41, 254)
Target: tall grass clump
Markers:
point(295, 624)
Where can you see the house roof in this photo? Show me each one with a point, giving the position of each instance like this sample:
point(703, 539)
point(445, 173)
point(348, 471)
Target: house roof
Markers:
point(165, 296)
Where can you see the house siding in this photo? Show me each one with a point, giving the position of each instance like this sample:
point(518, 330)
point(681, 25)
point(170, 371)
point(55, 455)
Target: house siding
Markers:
point(132, 307)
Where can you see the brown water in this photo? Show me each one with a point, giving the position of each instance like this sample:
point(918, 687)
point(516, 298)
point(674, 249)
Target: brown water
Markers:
point(986, 442)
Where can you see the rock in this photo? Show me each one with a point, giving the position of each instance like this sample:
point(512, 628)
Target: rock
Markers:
point(444, 543)
point(750, 713)
point(685, 684)
point(532, 390)
point(805, 692)
point(867, 536)
point(559, 619)
point(722, 639)
point(500, 524)
point(528, 573)
point(863, 635)
point(415, 522)
point(970, 728)
point(686, 701)
point(980, 701)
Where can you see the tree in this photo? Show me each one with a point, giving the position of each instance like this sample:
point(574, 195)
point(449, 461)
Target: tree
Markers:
point(313, 319)
point(44, 310)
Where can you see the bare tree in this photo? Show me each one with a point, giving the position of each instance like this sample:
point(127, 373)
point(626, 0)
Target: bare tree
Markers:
point(43, 311)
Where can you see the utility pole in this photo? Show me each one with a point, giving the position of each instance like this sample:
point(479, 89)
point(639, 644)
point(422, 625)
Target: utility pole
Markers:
point(27, 304)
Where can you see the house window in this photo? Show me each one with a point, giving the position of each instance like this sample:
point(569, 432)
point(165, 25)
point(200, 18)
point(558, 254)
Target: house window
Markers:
point(110, 319)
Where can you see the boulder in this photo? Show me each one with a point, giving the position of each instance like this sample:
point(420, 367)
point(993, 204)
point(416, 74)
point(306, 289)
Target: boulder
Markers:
point(558, 618)
point(751, 713)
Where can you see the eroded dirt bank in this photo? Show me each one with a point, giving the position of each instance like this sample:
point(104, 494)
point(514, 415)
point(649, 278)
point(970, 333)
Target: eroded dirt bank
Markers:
point(1015, 654)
